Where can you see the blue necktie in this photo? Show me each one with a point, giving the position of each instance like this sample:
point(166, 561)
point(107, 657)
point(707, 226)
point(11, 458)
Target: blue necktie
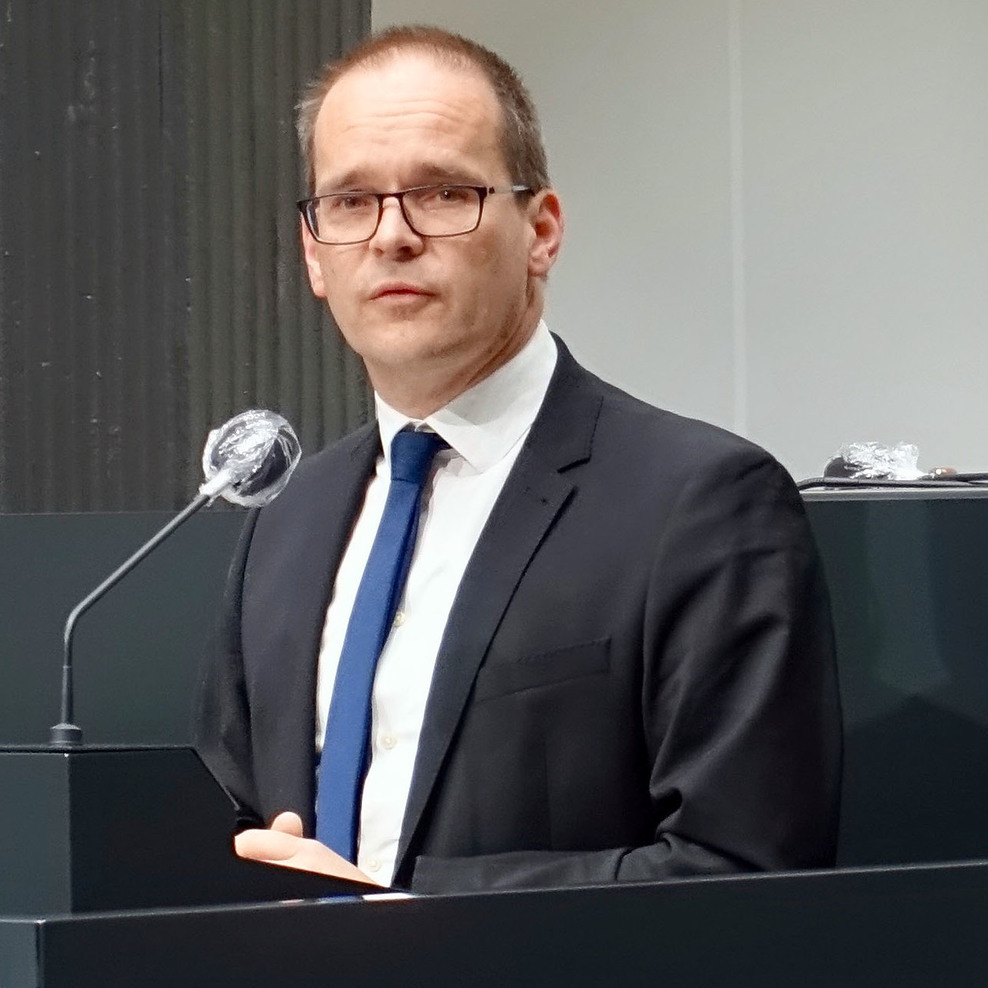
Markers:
point(345, 747)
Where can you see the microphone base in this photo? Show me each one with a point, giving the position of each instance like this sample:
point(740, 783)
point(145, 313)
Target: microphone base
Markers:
point(65, 736)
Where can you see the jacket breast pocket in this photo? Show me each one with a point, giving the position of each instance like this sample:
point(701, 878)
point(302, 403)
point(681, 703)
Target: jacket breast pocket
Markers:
point(503, 676)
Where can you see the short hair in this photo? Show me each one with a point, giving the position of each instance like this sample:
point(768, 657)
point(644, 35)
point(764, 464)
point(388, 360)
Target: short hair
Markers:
point(521, 137)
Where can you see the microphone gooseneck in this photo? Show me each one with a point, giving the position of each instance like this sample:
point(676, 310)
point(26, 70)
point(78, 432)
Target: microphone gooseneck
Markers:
point(248, 461)
point(66, 733)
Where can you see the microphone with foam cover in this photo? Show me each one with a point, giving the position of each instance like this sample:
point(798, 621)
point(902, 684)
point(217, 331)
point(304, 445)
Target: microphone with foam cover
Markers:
point(247, 461)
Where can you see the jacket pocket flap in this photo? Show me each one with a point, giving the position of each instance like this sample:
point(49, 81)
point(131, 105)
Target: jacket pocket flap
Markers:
point(510, 676)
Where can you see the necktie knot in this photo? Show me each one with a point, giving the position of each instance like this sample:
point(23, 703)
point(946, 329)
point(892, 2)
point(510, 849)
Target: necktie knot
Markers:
point(412, 454)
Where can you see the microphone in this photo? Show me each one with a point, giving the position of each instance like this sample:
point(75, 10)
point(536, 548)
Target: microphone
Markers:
point(874, 465)
point(247, 461)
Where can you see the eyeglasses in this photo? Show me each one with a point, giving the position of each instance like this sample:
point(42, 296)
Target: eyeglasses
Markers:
point(429, 210)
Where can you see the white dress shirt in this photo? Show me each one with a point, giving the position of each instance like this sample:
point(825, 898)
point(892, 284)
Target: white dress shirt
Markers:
point(485, 428)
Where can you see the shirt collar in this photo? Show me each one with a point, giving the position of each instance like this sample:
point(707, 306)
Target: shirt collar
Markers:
point(485, 422)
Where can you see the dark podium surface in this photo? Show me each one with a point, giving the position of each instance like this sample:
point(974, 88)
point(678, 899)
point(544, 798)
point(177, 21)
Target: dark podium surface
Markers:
point(906, 926)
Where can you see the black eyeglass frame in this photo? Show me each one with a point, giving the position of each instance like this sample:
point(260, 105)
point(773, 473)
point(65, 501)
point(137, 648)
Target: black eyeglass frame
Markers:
point(307, 206)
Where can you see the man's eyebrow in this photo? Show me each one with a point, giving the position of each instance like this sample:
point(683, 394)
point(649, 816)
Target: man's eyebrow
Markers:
point(347, 182)
point(447, 175)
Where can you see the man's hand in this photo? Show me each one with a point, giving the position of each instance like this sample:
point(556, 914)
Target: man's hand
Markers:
point(284, 845)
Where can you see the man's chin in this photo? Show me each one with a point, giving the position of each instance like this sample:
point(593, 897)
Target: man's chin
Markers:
point(406, 343)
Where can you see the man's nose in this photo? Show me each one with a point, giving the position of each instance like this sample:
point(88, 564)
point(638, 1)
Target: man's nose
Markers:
point(393, 231)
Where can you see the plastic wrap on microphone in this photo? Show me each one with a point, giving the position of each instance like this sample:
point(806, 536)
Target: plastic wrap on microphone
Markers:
point(875, 461)
point(250, 459)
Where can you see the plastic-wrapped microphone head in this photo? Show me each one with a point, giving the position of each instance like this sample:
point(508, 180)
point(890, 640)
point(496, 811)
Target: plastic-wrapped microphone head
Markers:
point(250, 459)
point(875, 461)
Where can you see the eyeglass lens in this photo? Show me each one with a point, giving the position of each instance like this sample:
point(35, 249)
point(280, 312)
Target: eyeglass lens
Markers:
point(436, 211)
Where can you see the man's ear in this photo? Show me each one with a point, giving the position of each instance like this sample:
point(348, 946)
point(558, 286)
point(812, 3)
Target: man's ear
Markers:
point(310, 248)
point(546, 216)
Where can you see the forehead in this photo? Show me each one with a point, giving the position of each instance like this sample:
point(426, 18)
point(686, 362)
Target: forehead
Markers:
point(409, 112)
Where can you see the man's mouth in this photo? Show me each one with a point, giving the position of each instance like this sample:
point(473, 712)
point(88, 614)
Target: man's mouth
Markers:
point(398, 289)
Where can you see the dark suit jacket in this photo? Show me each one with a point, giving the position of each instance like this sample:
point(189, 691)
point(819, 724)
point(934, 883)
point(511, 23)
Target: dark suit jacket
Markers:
point(636, 680)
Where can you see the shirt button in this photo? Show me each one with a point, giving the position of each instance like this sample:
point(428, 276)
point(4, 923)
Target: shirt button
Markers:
point(388, 741)
point(399, 618)
point(373, 864)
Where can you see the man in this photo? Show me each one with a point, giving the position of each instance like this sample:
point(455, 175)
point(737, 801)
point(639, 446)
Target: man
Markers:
point(612, 658)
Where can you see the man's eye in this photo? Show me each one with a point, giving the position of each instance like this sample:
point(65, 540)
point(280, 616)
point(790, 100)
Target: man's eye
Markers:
point(349, 202)
point(453, 194)
point(438, 196)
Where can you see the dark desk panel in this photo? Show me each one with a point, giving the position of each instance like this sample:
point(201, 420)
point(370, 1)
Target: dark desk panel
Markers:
point(907, 577)
point(137, 652)
point(903, 927)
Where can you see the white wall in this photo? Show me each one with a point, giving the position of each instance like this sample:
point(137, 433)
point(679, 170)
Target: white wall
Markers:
point(807, 259)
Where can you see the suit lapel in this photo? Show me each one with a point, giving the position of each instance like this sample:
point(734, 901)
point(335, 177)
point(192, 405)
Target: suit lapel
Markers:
point(534, 495)
point(322, 538)
point(303, 551)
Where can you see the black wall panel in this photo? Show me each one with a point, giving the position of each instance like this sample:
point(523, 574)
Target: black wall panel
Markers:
point(151, 283)
point(137, 651)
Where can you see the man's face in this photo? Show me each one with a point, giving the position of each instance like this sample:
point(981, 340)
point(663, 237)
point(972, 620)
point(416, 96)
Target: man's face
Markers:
point(447, 309)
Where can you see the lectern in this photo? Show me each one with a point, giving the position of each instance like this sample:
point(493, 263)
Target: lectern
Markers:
point(109, 828)
point(98, 834)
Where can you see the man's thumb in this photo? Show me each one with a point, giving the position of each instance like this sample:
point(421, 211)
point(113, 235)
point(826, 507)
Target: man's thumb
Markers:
point(288, 823)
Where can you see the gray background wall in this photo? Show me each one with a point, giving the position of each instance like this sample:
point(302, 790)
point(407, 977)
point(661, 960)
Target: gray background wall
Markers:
point(806, 261)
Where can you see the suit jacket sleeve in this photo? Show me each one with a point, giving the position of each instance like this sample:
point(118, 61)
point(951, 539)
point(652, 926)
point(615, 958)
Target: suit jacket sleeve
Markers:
point(221, 720)
point(738, 699)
